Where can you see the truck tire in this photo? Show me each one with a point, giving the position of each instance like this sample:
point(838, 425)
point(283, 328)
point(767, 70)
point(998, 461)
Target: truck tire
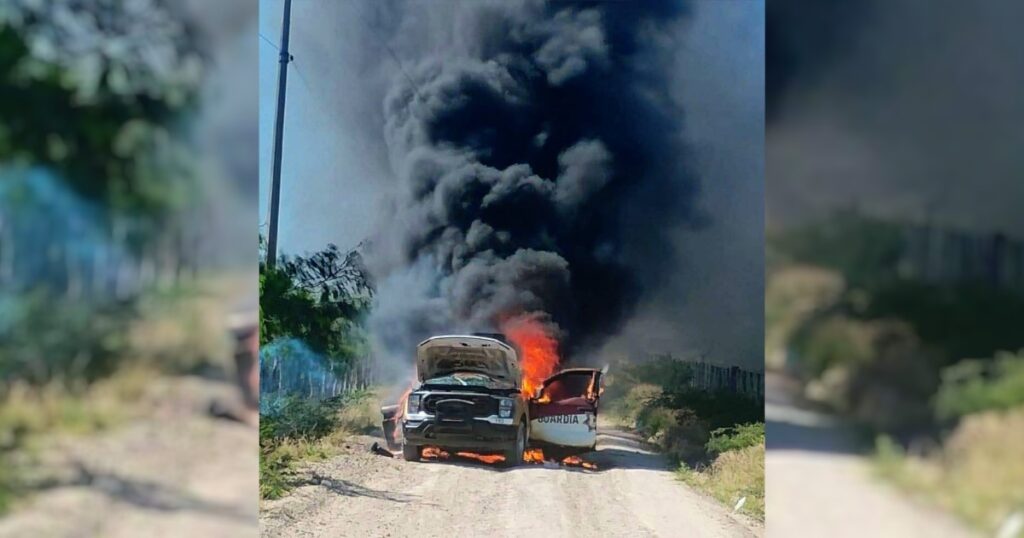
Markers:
point(411, 452)
point(514, 455)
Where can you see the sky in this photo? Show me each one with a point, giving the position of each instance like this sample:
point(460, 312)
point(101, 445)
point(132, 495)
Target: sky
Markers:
point(334, 178)
point(328, 192)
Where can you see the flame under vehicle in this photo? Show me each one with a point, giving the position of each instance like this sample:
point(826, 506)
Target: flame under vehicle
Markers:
point(470, 398)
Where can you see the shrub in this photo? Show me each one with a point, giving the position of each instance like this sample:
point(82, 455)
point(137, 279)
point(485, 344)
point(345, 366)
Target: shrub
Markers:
point(685, 440)
point(972, 386)
point(45, 339)
point(294, 429)
point(294, 417)
point(735, 438)
point(653, 420)
point(961, 320)
point(274, 474)
point(793, 296)
point(632, 404)
point(833, 341)
point(718, 409)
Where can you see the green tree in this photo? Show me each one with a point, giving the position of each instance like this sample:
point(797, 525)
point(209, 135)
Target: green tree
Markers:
point(319, 299)
point(97, 94)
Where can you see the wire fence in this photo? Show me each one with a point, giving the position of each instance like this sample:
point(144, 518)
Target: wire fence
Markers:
point(711, 377)
point(289, 368)
point(80, 261)
point(944, 255)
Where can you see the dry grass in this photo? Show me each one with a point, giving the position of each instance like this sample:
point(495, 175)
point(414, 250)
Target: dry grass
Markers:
point(977, 474)
point(734, 475)
point(54, 409)
point(184, 330)
point(362, 416)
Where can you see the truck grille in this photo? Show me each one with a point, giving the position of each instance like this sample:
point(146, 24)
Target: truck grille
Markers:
point(453, 407)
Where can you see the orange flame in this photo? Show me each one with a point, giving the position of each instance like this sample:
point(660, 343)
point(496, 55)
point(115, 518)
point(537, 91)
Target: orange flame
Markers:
point(579, 462)
point(400, 412)
point(539, 348)
point(486, 458)
point(533, 455)
point(432, 452)
point(536, 455)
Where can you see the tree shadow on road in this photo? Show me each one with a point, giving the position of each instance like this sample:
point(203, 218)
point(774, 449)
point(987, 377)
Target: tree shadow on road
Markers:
point(833, 439)
point(351, 489)
point(622, 449)
point(145, 494)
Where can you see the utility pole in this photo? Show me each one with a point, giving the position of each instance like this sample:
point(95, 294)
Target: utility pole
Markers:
point(275, 186)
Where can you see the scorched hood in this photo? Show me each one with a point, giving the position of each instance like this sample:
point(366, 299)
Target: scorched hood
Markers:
point(442, 355)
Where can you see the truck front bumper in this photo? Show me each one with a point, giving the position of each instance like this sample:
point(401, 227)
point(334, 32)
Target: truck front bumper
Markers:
point(481, 433)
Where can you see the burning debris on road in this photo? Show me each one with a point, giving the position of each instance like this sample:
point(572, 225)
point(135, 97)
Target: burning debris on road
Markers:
point(532, 455)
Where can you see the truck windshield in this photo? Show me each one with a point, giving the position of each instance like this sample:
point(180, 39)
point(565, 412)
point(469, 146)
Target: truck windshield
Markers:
point(466, 379)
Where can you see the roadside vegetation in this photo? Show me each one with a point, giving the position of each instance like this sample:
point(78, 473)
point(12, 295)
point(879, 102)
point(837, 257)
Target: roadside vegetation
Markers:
point(296, 429)
point(104, 284)
point(92, 183)
point(928, 366)
point(315, 391)
point(715, 438)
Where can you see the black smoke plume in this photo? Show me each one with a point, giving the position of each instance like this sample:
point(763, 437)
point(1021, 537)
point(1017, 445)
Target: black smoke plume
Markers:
point(869, 109)
point(540, 167)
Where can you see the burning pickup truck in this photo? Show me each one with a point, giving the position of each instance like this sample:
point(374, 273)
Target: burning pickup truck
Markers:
point(470, 398)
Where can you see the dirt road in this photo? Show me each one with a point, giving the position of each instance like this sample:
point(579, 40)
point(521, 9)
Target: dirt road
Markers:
point(820, 484)
point(632, 494)
point(175, 472)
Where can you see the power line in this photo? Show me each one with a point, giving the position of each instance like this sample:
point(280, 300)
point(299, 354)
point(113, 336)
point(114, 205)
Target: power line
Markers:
point(394, 56)
point(269, 42)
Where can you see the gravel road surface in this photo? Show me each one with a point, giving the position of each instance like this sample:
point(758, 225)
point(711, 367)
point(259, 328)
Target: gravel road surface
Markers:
point(819, 483)
point(631, 494)
point(175, 472)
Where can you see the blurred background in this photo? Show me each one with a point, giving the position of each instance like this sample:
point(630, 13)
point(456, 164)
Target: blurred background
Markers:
point(128, 189)
point(895, 259)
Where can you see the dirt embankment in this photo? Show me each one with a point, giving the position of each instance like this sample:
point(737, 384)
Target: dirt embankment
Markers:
point(631, 494)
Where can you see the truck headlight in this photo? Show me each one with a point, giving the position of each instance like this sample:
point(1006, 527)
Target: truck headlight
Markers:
point(505, 408)
point(414, 403)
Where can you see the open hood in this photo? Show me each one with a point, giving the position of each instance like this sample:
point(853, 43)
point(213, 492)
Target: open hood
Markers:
point(442, 355)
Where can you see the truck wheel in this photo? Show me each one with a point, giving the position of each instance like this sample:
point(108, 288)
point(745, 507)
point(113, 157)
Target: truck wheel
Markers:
point(411, 452)
point(514, 456)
